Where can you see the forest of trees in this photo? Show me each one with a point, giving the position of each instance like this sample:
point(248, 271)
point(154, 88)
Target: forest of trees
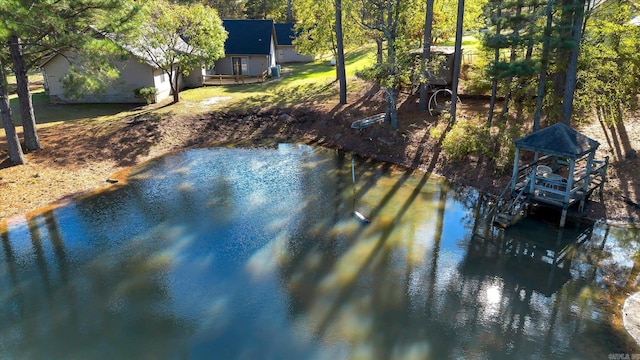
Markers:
point(545, 60)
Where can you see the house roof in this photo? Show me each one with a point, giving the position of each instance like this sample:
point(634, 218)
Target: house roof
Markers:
point(248, 36)
point(152, 54)
point(635, 21)
point(285, 34)
point(146, 57)
point(558, 140)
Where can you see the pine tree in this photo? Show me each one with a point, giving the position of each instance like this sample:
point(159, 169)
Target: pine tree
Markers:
point(15, 150)
point(38, 29)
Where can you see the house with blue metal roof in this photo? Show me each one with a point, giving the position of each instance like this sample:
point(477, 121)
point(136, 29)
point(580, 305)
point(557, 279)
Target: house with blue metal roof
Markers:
point(286, 52)
point(250, 48)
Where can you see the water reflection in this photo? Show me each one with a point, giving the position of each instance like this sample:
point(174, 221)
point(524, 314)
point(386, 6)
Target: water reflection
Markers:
point(254, 253)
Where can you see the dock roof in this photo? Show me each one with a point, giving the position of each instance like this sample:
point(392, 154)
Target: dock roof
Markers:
point(559, 140)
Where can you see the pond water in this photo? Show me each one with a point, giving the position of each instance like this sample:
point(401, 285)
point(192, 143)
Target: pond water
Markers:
point(253, 253)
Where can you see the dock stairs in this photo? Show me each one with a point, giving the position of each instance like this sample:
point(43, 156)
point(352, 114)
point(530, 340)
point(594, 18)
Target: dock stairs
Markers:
point(508, 211)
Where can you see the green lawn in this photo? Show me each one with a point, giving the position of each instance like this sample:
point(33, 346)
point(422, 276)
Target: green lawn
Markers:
point(469, 42)
point(299, 83)
point(313, 81)
point(46, 112)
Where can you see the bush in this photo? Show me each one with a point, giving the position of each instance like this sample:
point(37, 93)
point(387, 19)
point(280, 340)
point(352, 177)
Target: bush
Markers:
point(146, 93)
point(466, 138)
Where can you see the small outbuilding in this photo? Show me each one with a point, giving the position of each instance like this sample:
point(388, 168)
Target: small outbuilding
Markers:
point(440, 73)
point(286, 52)
point(562, 172)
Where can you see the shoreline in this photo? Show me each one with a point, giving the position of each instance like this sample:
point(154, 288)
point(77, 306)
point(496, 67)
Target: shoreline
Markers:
point(120, 178)
point(78, 157)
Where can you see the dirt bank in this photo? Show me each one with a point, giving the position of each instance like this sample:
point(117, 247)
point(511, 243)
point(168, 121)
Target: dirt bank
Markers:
point(80, 156)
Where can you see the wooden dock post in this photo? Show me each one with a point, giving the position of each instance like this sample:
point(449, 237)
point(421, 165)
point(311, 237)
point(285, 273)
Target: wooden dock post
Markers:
point(563, 217)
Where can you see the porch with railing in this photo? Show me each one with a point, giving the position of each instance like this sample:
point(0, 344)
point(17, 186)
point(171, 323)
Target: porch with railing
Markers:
point(219, 79)
point(554, 186)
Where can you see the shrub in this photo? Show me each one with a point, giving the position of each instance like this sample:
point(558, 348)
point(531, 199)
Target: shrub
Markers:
point(146, 93)
point(466, 138)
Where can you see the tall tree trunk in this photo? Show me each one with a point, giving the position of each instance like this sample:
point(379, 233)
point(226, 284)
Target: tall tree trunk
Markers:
point(289, 11)
point(496, 59)
point(392, 107)
point(543, 66)
point(392, 96)
point(562, 55)
point(457, 61)
point(31, 141)
point(572, 68)
point(522, 96)
point(512, 59)
point(426, 56)
point(175, 86)
point(15, 150)
point(342, 76)
point(380, 40)
point(390, 34)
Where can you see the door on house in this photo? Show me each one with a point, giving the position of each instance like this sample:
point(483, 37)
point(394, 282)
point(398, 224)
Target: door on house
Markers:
point(239, 65)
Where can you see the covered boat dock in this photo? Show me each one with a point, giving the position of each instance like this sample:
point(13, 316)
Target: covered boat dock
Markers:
point(562, 173)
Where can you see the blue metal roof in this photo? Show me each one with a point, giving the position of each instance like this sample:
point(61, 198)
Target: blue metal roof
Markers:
point(284, 33)
point(248, 37)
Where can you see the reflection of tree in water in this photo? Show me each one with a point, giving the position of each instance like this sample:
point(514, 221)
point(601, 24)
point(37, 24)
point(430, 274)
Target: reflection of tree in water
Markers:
point(523, 291)
point(115, 305)
point(401, 286)
point(329, 282)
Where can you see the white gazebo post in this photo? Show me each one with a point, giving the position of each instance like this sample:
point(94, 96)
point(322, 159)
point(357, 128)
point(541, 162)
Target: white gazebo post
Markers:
point(587, 171)
point(516, 161)
point(567, 192)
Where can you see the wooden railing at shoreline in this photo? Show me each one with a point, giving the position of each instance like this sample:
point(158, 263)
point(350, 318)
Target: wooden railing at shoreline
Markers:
point(219, 79)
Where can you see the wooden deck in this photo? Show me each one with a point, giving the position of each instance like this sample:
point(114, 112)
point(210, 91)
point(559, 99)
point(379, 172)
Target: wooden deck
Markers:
point(567, 174)
point(219, 79)
point(552, 190)
point(533, 187)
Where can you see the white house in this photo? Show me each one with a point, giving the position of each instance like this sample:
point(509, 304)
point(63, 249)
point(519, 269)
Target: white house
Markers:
point(135, 72)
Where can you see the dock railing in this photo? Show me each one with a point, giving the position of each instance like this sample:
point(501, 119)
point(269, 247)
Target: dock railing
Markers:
point(552, 188)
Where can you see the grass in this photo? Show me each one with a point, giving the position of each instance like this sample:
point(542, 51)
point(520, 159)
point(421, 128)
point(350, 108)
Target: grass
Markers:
point(313, 81)
point(34, 77)
point(300, 83)
point(469, 42)
point(47, 113)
